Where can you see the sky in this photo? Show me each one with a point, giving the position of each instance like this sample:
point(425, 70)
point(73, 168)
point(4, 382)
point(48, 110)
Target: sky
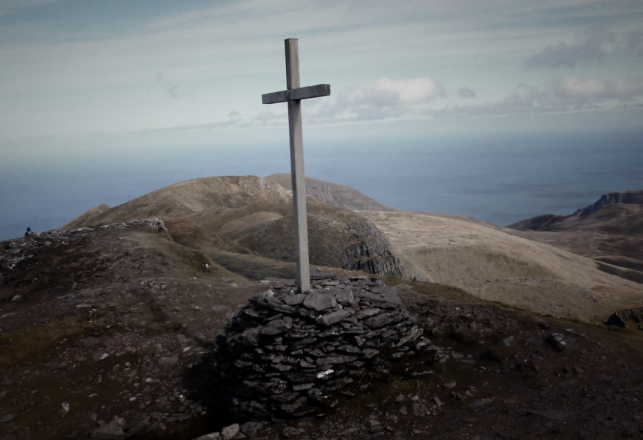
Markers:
point(143, 67)
point(86, 84)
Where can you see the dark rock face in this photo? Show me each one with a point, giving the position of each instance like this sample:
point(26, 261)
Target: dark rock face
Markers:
point(621, 318)
point(288, 355)
point(373, 255)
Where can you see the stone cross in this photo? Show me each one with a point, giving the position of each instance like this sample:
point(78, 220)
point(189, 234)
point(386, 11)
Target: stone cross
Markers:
point(293, 96)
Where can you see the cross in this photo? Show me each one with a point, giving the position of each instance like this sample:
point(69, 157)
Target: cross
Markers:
point(293, 96)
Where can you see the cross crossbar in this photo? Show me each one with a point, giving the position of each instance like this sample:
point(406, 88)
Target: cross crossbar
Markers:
point(296, 94)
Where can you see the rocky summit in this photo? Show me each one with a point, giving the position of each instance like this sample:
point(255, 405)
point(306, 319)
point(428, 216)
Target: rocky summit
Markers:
point(289, 355)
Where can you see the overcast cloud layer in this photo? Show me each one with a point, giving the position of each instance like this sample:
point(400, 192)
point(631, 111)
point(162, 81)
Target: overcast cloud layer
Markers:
point(75, 67)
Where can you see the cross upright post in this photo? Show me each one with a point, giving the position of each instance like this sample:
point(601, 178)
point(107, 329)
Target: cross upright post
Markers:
point(293, 95)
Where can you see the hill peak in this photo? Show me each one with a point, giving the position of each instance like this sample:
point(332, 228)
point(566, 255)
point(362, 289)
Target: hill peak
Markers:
point(255, 214)
point(341, 196)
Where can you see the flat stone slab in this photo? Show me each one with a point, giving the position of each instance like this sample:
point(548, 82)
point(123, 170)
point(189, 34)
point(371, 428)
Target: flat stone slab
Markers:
point(320, 301)
point(334, 317)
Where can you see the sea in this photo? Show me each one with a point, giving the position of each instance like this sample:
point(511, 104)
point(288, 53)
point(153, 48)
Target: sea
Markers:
point(500, 179)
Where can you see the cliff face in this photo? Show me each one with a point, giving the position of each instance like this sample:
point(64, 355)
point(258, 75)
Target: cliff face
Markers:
point(372, 253)
point(629, 197)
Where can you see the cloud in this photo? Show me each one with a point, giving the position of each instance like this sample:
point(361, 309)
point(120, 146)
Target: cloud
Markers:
point(392, 99)
point(594, 89)
point(73, 65)
point(265, 116)
point(390, 92)
point(558, 95)
point(197, 127)
point(173, 91)
point(9, 6)
point(466, 93)
point(593, 49)
point(268, 116)
point(634, 41)
point(412, 90)
point(386, 98)
point(233, 121)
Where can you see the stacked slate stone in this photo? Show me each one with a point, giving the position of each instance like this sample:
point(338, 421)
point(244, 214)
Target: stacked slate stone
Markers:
point(287, 355)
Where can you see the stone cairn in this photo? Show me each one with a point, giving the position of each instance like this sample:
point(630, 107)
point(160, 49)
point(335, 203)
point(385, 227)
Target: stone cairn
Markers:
point(288, 355)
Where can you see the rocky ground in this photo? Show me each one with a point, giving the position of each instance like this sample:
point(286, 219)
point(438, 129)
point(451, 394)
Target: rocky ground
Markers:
point(507, 375)
point(108, 333)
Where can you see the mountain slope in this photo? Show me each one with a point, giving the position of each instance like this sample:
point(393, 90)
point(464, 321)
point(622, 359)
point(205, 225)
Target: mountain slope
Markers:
point(496, 266)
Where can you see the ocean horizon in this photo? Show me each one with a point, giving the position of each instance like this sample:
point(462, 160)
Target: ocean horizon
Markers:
point(499, 179)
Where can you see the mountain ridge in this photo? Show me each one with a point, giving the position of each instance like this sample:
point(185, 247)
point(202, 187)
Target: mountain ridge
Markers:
point(612, 209)
point(257, 214)
point(610, 231)
point(625, 197)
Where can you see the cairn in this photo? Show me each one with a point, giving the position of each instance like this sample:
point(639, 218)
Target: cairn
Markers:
point(289, 355)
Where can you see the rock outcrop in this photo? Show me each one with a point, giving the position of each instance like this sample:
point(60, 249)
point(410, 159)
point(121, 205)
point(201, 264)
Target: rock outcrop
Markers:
point(288, 355)
point(371, 253)
point(622, 317)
